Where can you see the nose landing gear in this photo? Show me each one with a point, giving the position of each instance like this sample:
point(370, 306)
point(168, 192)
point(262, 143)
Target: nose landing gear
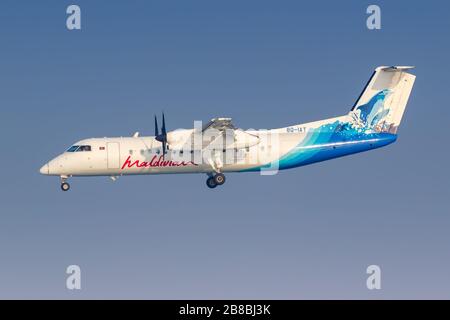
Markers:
point(64, 185)
point(216, 180)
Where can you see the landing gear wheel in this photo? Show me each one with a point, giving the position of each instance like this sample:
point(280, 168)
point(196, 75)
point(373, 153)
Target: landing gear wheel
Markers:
point(65, 186)
point(211, 183)
point(219, 179)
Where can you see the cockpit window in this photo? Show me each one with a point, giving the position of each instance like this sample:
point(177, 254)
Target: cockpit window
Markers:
point(79, 148)
point(72, 149)
point(84, 148)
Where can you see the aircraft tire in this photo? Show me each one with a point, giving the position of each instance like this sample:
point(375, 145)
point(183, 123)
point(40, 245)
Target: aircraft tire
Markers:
point(65, 186)
point(211, 183)
point(219, 179)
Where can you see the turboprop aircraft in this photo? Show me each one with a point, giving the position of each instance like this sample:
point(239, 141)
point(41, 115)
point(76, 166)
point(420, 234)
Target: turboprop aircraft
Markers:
point(219, 147)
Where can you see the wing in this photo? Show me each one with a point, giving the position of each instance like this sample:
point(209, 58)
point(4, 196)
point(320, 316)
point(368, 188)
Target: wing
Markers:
point(220, 133)
point(220, 124)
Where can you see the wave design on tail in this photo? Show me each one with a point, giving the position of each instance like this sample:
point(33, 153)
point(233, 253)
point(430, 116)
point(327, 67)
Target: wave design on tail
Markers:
point(373, 111)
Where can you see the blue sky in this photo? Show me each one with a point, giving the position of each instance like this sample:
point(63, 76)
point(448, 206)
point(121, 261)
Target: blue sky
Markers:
point(304, 233)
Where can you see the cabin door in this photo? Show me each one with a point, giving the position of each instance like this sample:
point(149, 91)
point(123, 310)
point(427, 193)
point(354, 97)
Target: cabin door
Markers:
point(113, 155)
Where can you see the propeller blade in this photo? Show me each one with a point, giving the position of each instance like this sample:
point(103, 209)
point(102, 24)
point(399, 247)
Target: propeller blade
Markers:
point(164, 148)
point(163, 128)
point(161, 137)
point(156, 126)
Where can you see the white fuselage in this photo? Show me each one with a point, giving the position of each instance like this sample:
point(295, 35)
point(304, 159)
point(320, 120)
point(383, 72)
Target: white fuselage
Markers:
point(143, 155)
point(273, 150)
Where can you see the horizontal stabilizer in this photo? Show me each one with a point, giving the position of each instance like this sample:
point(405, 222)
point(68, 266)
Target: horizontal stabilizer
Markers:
point(396, 68)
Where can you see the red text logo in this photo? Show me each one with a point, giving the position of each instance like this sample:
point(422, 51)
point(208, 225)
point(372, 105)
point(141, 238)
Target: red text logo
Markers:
point(155, 162)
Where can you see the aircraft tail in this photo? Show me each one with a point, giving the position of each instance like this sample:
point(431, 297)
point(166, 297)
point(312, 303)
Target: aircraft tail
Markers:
point(381, 104)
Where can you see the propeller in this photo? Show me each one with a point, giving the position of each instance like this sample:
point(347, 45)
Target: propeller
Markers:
point(156, 126)
point(161, 137)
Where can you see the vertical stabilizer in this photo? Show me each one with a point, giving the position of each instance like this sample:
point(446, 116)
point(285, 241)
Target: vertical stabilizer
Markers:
point(382, 103)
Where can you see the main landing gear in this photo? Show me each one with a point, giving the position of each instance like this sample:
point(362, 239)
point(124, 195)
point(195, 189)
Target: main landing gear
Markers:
point(64, 185)
point(216, 180)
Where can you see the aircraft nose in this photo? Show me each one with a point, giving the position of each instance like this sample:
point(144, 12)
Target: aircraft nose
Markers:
point(44, 169)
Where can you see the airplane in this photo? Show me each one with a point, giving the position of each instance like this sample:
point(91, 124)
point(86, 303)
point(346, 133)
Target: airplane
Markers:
point(218, 147)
